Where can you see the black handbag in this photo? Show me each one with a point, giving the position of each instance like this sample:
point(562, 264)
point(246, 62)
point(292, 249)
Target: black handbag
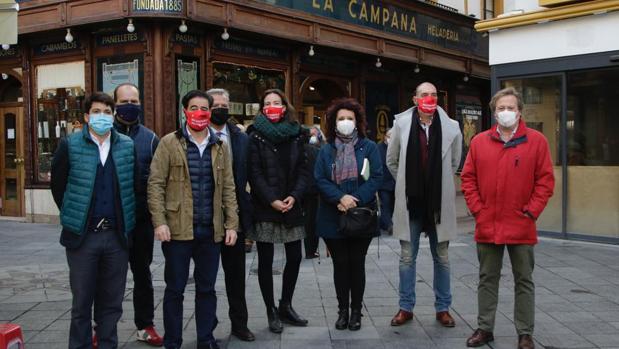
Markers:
point(359, 222)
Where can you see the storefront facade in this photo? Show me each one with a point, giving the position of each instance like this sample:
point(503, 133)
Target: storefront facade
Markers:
point(376, 51)
point(567, 73)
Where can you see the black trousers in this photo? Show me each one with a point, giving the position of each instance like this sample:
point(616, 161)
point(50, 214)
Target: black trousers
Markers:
point(311, 240)
point(266, 250)
point(233, 262)
point(140, 258)
point(349, 270)
point(97, 274)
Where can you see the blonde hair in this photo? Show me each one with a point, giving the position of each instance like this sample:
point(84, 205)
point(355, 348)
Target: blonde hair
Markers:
point(509, 91)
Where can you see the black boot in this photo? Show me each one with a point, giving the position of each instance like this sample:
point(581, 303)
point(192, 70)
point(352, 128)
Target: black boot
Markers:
point(275, 325)
point(289, 316)
point(355, 320)
point(342, 320)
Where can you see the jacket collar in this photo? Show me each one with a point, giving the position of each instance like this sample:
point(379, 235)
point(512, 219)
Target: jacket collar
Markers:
point(449, 128)
point(128, 130)
point(519, 137)
point(86, 134)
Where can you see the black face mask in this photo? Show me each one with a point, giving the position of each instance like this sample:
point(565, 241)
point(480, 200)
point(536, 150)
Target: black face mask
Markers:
point(219, 116)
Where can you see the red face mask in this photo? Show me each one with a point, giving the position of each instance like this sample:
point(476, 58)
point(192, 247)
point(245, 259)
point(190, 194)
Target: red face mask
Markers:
point(427, 104)
point(198, 120)
point(274, 113)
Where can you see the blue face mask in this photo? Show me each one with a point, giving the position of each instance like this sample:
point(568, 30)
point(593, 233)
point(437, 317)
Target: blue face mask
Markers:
point(128, 113)
point(100, 123)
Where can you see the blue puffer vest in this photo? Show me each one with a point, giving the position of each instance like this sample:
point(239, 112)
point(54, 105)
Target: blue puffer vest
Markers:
point(83, 162)
point(145, 142)
point(202, 185)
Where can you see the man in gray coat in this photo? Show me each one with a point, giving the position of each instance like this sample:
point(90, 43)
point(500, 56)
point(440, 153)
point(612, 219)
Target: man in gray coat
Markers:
point(423, 155)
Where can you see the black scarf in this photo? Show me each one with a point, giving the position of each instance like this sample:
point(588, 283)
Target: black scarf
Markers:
point(423, 192)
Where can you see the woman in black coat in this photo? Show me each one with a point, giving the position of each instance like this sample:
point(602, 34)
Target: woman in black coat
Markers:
point(278, 175)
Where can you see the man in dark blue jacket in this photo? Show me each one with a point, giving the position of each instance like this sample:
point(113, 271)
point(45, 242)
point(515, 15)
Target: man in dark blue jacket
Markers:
point(94, 182)
point(128, 122)
point(233, 257)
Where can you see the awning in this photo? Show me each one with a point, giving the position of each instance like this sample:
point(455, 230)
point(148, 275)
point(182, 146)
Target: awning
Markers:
point(8, 21)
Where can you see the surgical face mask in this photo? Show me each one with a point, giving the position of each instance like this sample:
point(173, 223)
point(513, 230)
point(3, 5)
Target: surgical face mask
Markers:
point(313, 140)
point(219, 116)
point(100, 123)
point(128, 113)
point(345, 127)
point(507, 118)
point(199, 119)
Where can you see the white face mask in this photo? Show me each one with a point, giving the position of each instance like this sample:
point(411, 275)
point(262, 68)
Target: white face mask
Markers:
point(313, 140)
point(507, 118)
point(345, 127)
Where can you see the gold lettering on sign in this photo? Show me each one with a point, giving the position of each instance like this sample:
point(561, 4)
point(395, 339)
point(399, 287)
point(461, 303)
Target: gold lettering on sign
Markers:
point(375, 14)
point(350, 11)
point(391, 17)
point(315, 4)
point(364, 12)
point(329, 5)
point(443, 33)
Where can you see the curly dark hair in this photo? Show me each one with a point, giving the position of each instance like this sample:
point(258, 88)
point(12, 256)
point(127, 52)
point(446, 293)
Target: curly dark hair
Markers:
point(290, 114)
point(348, 104)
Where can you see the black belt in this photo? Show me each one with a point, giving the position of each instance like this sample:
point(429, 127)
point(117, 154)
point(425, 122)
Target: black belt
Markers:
point(102, 224)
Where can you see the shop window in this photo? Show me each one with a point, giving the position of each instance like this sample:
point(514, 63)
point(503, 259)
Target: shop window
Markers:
point(10, 88)
point(542, 111)
point(593, 152)
point(60, 94)
point(113, 71)
point(187, 79)
point(246, 85)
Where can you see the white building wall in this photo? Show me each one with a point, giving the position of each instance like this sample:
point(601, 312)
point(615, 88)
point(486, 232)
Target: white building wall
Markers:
point(526, 5)
point(569, 37)
point(40, 206)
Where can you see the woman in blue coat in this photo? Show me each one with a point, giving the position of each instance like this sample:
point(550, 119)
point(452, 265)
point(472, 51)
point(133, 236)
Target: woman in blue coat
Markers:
point(338, 174)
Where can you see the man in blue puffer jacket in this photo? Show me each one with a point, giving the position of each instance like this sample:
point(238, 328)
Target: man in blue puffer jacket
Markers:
point(94, 182)
point(129, 116)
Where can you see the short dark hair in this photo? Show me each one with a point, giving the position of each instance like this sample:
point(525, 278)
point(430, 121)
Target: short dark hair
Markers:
point(196, 93)
point(290, 111)
point(100, 97)
point(348, 104)
point(125, 84)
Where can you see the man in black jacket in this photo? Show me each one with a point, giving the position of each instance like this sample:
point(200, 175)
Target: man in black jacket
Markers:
point(233, 257)
point(128, 121)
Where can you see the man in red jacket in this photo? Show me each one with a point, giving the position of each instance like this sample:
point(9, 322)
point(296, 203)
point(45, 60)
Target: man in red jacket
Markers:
point(507, 180)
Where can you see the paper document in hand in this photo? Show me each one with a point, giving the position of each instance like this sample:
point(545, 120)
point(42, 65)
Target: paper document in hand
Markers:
point(365, 171)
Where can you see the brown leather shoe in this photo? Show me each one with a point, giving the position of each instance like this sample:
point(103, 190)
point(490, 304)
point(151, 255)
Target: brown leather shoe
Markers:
point(445, 319)
point(401, 318)
point(479, 338)
point(525, 341)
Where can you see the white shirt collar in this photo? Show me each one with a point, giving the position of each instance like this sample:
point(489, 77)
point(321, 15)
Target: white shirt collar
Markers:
point(204, 143)
point(498, 130)
point(104, 148)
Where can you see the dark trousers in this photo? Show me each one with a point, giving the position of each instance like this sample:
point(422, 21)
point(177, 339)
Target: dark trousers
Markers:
point(311, 240)
point(140, 258)
point(233, 262)
point(266, 251)
point(97, 274)
point(178, 254)
point(387, 201)
point(349, 270)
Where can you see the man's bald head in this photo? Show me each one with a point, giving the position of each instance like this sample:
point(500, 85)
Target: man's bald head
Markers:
point(425, 89)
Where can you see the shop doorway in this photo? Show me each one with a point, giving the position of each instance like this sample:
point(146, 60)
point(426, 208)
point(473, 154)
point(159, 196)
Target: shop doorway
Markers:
point(316, 95)
point(11, 147)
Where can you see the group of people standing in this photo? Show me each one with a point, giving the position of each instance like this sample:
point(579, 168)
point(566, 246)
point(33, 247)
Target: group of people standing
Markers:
point(205, 188)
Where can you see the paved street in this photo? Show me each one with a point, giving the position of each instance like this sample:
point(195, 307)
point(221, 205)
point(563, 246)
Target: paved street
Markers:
point(577, 303)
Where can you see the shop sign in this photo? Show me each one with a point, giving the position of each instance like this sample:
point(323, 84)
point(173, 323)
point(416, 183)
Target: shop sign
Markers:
point(119, 38)
point(11, 52)
point(250, 48)
point(57, 47)
point(186, 39)
point(157, 6)
point(389, 18)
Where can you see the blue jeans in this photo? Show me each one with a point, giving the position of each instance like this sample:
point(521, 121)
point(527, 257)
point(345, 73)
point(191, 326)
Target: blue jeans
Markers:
point(205, 254)
point(408, 269)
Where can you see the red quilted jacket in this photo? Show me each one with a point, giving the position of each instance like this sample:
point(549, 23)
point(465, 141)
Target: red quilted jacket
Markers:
point(502, 182)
